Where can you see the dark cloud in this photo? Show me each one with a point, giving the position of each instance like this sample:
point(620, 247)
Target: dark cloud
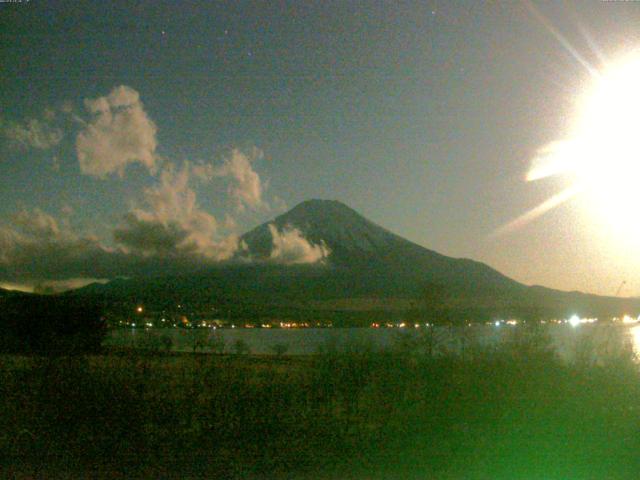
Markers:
point(149, 237)
point(35, 248)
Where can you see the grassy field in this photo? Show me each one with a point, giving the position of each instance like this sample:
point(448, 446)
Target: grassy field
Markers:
point(514, 411)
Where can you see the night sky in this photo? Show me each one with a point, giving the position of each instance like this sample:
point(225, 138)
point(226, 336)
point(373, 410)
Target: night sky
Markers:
point(160, 131)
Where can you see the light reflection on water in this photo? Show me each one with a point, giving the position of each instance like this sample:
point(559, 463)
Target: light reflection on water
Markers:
point(634, 333)
point(600, 339)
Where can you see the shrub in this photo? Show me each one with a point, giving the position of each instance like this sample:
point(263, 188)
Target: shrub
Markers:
point(167, 342)
point(150, 341)
point(240, 347)
point(217, 343)
point(279, 349)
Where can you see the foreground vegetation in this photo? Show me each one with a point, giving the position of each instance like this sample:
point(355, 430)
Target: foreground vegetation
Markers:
point(511, 411)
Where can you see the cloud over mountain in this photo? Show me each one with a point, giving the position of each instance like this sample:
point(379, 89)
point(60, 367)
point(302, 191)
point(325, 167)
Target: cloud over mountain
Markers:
point(290, 247)
point(118, 133)
point(172, 222)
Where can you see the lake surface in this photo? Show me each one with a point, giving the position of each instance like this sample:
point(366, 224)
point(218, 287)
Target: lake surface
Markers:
point(568, 340)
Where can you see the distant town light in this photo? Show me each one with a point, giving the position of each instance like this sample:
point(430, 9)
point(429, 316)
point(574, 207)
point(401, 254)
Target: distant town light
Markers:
point(139, 309)
point(574, 321)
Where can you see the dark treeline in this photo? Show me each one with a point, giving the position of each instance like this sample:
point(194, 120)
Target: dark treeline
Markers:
point(50, 325)
point(263, 295)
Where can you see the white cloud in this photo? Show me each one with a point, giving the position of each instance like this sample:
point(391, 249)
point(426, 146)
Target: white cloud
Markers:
point(290, 247)
point(173, 223)
point(34, 134)
point(203, 171)
point(246, 188)
point(119, 133)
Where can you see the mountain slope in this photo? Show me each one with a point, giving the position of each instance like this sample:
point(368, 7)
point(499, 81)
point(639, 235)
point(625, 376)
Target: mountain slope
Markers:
point(358, 244)
point(10, 293)
point(370, 272)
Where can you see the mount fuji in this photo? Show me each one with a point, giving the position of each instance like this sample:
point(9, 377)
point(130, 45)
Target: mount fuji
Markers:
point(360, 271)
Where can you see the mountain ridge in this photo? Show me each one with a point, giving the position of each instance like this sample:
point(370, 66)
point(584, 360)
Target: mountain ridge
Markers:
point(366, 261)
point(357, 242)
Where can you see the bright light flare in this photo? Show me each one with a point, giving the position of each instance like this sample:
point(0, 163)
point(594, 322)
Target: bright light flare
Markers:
point(607, 142)
point(574, 321)
point(601, 155)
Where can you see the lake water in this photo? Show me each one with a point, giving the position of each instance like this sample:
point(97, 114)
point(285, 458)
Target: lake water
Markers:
point(567, 339)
